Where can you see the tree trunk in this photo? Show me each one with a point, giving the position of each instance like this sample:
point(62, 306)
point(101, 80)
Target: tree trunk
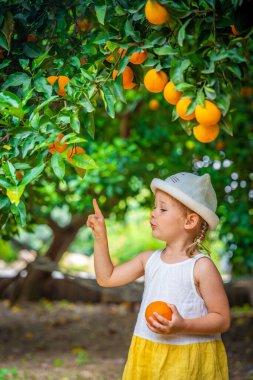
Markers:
point(31, 288)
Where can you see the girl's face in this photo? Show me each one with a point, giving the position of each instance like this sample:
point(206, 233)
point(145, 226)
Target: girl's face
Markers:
point(167, 217)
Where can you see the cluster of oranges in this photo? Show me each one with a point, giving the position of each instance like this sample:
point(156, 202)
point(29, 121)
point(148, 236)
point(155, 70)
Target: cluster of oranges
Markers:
point(59, 147)
point(207, 116)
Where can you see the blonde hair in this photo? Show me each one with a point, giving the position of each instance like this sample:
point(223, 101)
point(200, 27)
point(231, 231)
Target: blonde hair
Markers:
point(200, 236)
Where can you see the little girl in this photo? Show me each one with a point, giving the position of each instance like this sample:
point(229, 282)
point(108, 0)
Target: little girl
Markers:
point(189, 346)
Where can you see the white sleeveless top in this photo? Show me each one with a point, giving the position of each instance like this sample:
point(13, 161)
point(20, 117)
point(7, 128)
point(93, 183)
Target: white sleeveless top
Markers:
point(172, 283)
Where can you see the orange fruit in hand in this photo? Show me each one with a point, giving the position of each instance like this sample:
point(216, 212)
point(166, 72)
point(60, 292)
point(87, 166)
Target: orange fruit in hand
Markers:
point(206, 134)
point(159, 307)
point(154, 104)
point(155, 81)
point(181, 108)
point(155, 13)
point(72, 152)
point(170, 94)
point(139, 57)
point(208, 115)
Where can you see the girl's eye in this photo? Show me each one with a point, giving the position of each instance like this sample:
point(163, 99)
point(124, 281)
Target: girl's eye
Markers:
point(163, 210)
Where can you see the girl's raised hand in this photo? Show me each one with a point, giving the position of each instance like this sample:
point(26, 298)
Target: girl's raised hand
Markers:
point(96, 222)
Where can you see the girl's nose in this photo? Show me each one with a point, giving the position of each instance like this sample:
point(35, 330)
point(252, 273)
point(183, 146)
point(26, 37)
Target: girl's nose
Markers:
point(152, 213)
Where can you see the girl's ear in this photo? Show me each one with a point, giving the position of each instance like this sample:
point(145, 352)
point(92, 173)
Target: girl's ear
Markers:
point(191, 221)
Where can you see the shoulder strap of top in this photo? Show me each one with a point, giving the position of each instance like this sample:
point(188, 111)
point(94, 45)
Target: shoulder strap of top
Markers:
point(153, 257)
point(200, 255)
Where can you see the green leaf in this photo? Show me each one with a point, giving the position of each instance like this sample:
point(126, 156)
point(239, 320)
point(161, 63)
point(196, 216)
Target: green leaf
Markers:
point(9, 171)
point(19, 212)
point(86, 74)
point(181, 33)
point(210, 92)
point(177, 70)
point(4, 183)
point(42, 105)
point(15, 80)
point(74, 121)
point(129, 30)
point(165, 50)
point(227, 125)
point(90, 125)
point(108, 100)
point(223, 102)
point(9, 99)
point(200, 99)
point(42, 85)
point(4, 202)
point(24, 63)
point(58, 165)
point(28, 145)
point(235, 69)
point(33, 174)
point(86, 103)
point(39, 60)
point(184, 87)
point(100, 13)
point(117, 83)
point(3, 42)
point(5, 63)
point(84, 161)
point(32, 50)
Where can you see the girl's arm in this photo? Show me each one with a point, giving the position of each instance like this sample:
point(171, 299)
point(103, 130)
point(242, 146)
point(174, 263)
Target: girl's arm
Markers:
point(106, 274)
point(212, 291)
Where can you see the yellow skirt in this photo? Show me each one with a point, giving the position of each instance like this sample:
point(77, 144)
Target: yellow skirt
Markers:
point(159, 361)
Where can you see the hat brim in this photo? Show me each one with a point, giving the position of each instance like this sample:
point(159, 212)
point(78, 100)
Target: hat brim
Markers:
point(208, 215)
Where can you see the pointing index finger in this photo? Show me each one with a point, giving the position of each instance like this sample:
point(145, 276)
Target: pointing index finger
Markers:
point(96, 208)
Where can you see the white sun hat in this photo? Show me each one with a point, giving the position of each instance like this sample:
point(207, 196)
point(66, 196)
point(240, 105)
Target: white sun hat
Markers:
point(195, 192)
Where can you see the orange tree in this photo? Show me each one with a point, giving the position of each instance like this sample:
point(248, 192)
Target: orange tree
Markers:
point(63, 65)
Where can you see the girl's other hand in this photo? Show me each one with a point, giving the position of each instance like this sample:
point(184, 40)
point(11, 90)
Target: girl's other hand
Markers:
point(164, 326)
point(96, 222)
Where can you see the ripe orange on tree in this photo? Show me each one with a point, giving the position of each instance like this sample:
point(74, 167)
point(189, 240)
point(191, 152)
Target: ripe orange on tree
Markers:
point(19, 175)
point(82, 61)
point(234, 30)
point(208, 115)
point(181, 109)
point(31, 38)
point(72, 152)
point(139, 57)
point(220, 145)
point(127, 78)
point(206, 134)
point(159, 307)
point(83, 25)
point(154, 104)
point(57, 146)
point(171, 95)
point(155, 13)
point(155, 81)
point(62, 82)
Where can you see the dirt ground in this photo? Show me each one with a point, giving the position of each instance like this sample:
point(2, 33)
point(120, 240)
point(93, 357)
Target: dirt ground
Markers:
point(65, 341)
